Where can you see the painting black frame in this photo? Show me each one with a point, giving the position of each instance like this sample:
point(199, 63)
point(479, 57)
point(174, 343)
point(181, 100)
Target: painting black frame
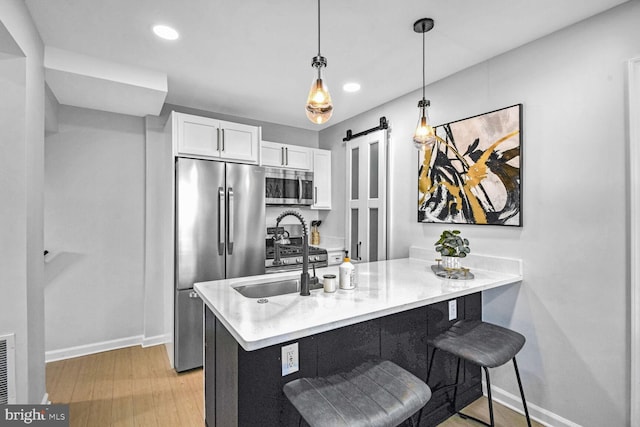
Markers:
point(446, 193)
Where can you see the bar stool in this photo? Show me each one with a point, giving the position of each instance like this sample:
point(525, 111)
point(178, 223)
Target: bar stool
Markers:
point(375, 393)
point(483, 344)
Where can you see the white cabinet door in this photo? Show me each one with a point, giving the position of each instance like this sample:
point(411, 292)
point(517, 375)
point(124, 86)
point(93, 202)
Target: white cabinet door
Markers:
point(197, 136)
point(272, 154)
point(238, 142)
point(210, 138)
point(335, 257)
point(285, 156)
point(296, 157)
point(321, 179)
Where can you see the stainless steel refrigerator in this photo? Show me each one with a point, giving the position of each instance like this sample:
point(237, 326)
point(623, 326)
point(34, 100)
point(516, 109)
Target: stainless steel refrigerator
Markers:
point(220, 220)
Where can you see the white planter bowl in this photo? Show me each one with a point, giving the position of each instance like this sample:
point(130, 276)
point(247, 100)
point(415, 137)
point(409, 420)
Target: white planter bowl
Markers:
point(451, 262)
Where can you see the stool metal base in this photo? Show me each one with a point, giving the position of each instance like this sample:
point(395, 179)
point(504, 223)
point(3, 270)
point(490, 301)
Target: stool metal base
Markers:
point(489, 398)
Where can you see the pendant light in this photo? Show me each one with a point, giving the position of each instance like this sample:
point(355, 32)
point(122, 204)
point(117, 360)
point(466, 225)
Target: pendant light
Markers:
point(424, 134)
point(319, 106)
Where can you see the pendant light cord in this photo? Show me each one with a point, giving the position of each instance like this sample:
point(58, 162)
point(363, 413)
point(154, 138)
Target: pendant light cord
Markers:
point(318, 27)
point(423, 61)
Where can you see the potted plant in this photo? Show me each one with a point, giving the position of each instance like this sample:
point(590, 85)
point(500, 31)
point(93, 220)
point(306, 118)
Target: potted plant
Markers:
point(452, 247)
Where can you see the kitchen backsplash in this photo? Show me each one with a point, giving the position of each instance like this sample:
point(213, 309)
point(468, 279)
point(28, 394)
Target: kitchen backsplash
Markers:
point(273, 212)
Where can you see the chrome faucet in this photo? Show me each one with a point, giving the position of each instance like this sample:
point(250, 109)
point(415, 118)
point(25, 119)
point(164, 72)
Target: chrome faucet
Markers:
point(304, 277)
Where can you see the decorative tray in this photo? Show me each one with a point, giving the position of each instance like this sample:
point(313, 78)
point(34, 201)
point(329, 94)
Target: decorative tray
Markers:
point(452, 273)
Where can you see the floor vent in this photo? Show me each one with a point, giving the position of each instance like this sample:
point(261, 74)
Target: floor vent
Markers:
point(7, 369)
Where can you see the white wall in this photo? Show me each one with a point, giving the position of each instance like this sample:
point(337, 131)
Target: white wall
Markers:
point(94, 219)
point(158, 264)
point(572, 305)
point(21, 177)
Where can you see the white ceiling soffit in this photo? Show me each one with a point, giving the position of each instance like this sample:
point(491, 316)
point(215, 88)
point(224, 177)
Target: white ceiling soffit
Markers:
point(8, 46)
point(88, 82)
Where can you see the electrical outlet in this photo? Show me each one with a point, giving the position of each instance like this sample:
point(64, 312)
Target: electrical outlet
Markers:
point(290, 362)
point(453, 309)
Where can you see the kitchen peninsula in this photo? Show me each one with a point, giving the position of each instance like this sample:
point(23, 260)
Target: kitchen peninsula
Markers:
point(395, 306)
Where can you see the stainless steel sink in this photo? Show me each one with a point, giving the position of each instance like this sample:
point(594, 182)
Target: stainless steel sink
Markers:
point(272, 289)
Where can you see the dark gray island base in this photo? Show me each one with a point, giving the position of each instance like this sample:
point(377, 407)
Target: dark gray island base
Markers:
point(244, 388)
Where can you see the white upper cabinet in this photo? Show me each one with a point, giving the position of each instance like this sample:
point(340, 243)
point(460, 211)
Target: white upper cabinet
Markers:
point(286, 156)
point(271, 154)
point(210, 138)
point(239, 142)
point(197, 136)
point(321, 179)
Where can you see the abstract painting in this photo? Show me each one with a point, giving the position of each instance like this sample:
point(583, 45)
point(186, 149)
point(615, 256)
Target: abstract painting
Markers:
point(472, 174)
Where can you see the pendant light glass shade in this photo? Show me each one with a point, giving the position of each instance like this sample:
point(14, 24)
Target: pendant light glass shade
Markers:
point(319, 107)
point(424, 134)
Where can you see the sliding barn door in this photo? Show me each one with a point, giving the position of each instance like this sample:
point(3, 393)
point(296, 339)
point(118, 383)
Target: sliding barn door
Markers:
point(366, 197)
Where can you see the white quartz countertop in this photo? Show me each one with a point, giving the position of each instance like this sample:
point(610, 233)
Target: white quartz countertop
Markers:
point(384, 288)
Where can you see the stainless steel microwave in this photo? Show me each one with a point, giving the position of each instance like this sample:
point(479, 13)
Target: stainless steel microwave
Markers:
point(288, 187)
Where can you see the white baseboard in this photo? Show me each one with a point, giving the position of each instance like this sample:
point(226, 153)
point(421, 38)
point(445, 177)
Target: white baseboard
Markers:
point(536, 413)
point(45, 399)
point(169, 347)
point(84, 350)
point(157, 340)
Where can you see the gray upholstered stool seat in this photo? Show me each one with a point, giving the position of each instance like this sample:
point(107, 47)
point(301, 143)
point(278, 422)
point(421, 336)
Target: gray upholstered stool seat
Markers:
point(375, 393)
point(483, 344)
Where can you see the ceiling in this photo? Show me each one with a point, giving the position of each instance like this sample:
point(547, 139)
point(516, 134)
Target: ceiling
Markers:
point(252, 58)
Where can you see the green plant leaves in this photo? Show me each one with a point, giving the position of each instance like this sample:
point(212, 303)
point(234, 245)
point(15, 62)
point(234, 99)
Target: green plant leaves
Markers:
point(451, 244)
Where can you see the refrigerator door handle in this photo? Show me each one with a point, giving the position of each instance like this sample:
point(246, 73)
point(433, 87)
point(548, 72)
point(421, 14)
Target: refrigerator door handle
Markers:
point(220, 221)
point(299, 189)
point(230, 225)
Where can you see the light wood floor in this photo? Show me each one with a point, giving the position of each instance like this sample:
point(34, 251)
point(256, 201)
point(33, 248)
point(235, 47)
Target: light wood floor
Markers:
point(132, 386)
point(135, 386)
point(504, 417)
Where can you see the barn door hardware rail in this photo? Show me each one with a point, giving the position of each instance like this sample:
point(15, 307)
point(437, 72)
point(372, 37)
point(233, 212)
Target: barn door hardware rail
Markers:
point(384, 124)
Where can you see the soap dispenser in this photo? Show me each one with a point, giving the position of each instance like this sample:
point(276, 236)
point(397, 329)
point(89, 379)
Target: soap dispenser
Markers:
point(347, 273)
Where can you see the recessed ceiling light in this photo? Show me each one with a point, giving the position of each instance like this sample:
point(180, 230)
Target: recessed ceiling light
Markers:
point(351, 87)
point(165, 32)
